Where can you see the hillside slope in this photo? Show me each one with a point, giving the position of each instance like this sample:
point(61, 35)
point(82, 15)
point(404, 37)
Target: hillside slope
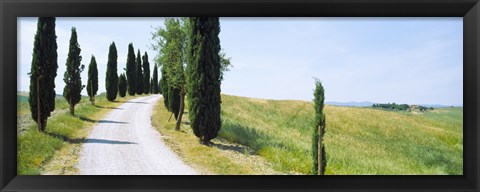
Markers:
point(358, 140)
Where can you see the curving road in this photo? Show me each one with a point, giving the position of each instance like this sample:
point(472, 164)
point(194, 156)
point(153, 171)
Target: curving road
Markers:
point(124, 143)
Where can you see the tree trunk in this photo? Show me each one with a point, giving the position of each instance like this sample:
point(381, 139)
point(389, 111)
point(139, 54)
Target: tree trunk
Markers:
point(72, 108)
point(44, 125)
point(205, 141)
point(320, 154)
point(180, 113)
point(39, 121)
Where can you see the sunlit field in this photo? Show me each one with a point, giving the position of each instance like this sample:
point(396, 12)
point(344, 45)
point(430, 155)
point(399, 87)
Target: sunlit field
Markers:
point(359, 141)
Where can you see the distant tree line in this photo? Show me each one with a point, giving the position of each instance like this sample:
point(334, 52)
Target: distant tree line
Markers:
point(401, 107)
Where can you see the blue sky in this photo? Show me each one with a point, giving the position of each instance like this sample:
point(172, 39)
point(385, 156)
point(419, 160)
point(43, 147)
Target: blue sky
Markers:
point(402, 60)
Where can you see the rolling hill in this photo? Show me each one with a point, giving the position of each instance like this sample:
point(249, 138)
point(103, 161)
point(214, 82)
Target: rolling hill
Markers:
point(359, 141)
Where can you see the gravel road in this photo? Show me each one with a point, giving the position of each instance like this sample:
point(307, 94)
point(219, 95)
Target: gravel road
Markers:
point(124, 143)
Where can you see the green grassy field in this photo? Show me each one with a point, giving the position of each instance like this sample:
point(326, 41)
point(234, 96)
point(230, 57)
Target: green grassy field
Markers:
point(358, 141)
point(34, 148)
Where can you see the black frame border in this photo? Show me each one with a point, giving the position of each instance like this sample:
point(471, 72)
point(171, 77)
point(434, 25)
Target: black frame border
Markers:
point(468, 9)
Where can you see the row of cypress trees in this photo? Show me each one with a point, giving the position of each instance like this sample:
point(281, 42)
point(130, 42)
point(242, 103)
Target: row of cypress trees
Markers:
point(137, 72)
point(44, 70)
point(192, 65)
point(204, 77)
point(136, 79)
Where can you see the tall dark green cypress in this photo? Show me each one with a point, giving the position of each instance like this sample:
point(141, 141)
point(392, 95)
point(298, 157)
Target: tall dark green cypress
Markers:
point(318, 148)
point(111, 80)
point(43, 72)
point(146, 74)
point(92, 83)
point(155, 89)
point(139, 75)
point(131, 71)
point(122, 85)
point(164, 88)
point(204, 77)
point(73, 80)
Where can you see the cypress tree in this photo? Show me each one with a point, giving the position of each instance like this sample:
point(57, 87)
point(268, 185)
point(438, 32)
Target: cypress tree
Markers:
point(111, 80)
point(122, 85)
point(139, 75)
point(131, 70)
point(146, 74)
point(43, 72)
point(164, 90)
point(204, 77)
point(92, 83)
point(155, 89)
point(73, 81)
point(318, 148)
point(151, 86)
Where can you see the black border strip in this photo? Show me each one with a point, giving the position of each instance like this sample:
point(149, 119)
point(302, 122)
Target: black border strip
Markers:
point(468, 9)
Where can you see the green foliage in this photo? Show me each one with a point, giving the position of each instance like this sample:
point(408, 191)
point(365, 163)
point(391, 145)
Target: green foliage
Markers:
point(160, 87)
point(131, 70)
point(43, 71)
point(122, 85)
point(139, 75)
point(225, 63)
point(155, 87)
point(171, 43)
point(92, 84)
point(73, 80)
point(204, 77)
point(318, 131)
point(146, 74)
point(111, 80)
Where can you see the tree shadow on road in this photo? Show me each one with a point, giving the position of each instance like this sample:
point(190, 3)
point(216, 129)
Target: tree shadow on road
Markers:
point(139, 102)
point(98, 106)
point(83, 118)
point(105, 141)
point(87, 140)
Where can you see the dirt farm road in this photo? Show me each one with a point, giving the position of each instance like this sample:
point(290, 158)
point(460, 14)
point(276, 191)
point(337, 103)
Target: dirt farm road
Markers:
point(124, 143)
